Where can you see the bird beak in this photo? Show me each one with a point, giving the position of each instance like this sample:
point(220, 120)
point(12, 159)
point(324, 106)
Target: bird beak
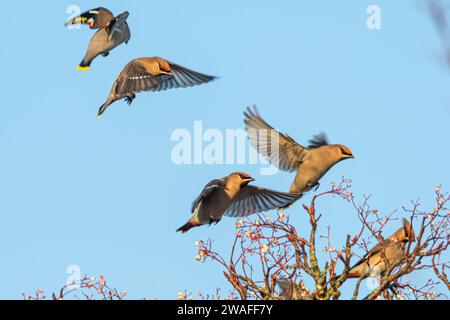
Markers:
point(350, 156)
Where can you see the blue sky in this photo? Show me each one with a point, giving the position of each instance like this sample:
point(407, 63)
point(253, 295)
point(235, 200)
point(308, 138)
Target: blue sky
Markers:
point(103, 194)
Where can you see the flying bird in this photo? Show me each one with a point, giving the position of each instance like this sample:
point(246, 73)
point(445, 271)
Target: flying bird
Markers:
point(233, 196)
point(310, 163)
point(112, 32)
point(385, 254)
point(151, 74)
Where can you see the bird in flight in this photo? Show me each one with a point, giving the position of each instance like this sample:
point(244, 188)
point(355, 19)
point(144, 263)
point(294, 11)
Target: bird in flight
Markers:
point(310, 163)
point(112, 32)
point(151, 74)
point(233, 196)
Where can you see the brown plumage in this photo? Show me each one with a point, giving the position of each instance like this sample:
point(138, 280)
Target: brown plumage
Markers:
point(232, 196)
point(292, 291)
point(112, 32)
point(151, 74)
point(310, 163)
point(385, 254)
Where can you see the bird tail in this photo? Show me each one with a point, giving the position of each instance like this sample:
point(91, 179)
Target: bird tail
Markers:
point(84, 65)
point(81, 68)
point(185, 228)
point(103, 108)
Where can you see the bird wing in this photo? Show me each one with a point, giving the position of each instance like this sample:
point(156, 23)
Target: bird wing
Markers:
point(207, 190)
point(279, 149)
point(377, 249)
point(253, 199)
point(136, 79)
point(100, 18)
point(118, 30)
point(181, 78)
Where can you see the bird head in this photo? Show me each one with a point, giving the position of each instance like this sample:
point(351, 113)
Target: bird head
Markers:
point(404, 234)
point(344, 152)
point(242, 178)
point(408, 231)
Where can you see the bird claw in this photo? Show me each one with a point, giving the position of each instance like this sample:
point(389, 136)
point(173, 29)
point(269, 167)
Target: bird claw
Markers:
point(130, 99)
point(315, 187)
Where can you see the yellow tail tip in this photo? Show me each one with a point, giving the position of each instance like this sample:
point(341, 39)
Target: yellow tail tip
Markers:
point(80, 68)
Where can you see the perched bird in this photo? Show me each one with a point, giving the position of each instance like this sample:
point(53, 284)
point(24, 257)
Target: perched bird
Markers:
point(112, 32)
point(292, 291)
point(151, 74)
point(311, 163)
point(232, 196)
point(385, 254)
point(286, 287)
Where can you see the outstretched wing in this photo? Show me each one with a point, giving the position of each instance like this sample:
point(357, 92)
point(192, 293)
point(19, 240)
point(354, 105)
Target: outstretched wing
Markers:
point(279, 149)
point(182, 78)
point(136, 79)
point(118, 29)
point(251, 200)
point(97, 18)
point(207, 190)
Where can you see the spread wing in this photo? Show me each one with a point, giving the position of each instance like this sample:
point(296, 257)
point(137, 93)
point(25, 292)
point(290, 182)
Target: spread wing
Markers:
point(181, 78)
point(207, 190)
point(119, 33)
point(279, 149)
point(134, 78)
point(96, 18)
point(137, 79)
point(118, 29)
point(253, 199)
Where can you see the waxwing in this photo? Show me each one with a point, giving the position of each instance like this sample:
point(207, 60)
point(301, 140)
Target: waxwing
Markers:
point(385, 254)
point(233, 196)
point(310, 163)
point(112, 32)
point(151, 74)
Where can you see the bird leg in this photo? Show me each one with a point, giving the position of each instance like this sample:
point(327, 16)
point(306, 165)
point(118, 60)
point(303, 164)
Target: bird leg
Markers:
point(314, 186)
point(129, 99)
